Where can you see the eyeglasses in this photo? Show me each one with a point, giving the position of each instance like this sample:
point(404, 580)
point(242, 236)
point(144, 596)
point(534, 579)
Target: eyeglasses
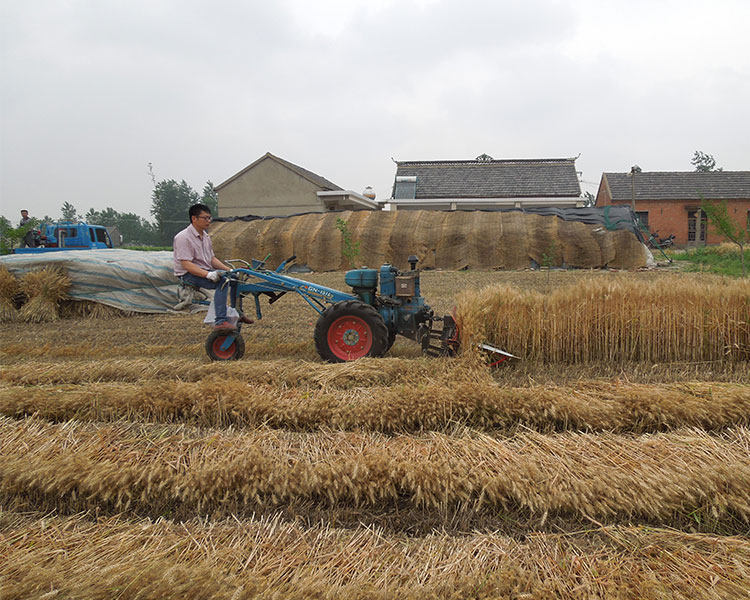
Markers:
point(204, 217)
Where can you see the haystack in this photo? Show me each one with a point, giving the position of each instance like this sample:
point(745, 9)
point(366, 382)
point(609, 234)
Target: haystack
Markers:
point(44, 288)
point(440, 239)
point(8, 291)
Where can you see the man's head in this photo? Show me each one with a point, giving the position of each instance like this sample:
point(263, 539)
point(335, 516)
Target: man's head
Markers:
point(25, 213)
point(200, 216)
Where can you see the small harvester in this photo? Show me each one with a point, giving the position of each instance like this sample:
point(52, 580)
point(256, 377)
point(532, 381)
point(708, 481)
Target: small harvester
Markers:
point(351, 325)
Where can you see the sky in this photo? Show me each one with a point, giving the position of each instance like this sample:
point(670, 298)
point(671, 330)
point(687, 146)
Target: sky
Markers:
point(93, 91)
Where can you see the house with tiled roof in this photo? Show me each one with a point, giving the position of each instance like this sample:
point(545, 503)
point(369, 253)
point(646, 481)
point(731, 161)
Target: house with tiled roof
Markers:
point(272, 186)
point(669, 202)
point(485, 183)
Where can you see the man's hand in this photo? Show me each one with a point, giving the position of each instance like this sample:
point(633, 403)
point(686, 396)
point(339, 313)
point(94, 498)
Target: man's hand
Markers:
point(213, 276)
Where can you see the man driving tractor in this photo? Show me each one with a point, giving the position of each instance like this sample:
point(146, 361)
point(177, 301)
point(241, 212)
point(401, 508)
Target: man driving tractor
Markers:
point(196, 265)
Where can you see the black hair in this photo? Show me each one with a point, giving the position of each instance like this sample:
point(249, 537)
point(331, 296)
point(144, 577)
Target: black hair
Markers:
point(197, 209)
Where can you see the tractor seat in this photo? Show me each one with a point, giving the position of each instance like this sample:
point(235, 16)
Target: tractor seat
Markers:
point(188, 294)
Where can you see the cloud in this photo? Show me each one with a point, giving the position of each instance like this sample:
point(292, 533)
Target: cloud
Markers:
point(94, 91)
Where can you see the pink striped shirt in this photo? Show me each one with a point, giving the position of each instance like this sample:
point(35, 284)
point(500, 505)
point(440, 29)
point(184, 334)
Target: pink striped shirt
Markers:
point(190, 245)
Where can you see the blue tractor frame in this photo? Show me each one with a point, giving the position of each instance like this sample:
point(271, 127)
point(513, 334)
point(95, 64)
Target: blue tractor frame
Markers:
point(352, 325)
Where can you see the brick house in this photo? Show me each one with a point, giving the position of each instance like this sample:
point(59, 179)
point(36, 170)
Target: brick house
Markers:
point(272, 186)
point(485, 183)
point(669, 202)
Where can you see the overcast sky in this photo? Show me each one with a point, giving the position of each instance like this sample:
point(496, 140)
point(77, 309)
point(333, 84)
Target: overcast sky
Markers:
point(94, 90)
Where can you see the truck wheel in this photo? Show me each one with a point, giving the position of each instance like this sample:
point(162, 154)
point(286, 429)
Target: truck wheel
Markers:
point(219, 346)
point(349, 330)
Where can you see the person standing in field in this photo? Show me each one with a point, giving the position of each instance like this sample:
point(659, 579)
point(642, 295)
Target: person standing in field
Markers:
point(28, 239)
point(196, 264)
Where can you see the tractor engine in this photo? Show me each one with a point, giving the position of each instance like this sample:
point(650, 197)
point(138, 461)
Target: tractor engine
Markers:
point(400, 301)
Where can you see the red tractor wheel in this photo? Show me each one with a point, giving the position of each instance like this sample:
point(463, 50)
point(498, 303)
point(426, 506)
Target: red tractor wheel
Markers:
point(350, 330)
point(223, 345)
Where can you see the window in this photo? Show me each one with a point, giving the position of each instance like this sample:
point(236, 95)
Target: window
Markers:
point(692, 223)
point(642, 216)
point(406, 188)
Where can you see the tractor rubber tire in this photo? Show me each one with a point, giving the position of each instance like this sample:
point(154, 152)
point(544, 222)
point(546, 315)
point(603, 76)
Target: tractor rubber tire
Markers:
point(349, 330)
point(216, 340)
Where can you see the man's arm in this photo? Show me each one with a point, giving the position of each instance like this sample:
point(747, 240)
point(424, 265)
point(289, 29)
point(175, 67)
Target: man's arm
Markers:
point(217, 264)
point(191, 267)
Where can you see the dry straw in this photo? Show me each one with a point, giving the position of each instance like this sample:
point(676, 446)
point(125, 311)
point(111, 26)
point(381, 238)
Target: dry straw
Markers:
point(44, 288)
point(679, 319)
point(658, 478)
point(438, 405)
point(9, 289)
point(91, 310)
point(270, 558)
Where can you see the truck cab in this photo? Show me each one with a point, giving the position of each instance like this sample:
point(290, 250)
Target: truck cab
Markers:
point(65, 235)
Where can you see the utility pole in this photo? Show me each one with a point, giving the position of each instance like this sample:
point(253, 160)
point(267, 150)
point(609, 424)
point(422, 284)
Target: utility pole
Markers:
point(633, 170)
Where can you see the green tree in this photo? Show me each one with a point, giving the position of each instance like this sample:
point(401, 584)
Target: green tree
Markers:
point(10, 236)
point(169, 207)
point(69, 212)
point(719, 219)
point(93, 217)
point(704, 163)
point(210, 198)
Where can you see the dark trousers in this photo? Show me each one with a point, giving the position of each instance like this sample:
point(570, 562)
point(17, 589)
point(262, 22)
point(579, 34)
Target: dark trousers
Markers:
point(220, 295)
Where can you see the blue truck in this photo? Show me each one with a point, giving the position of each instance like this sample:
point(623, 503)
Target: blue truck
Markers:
point(66, 235)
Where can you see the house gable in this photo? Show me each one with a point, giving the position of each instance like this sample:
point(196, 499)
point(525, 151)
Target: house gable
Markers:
point(272, 186)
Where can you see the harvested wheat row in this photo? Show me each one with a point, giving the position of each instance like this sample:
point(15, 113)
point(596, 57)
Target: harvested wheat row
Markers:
point(44, 288)
point(437, 404)
point(272, 558)
point(9, 288)
point(657, 477)
point(614, 321)
point(367, 371)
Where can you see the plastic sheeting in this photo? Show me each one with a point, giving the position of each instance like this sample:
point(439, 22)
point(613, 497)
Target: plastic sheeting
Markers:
point(125, 279)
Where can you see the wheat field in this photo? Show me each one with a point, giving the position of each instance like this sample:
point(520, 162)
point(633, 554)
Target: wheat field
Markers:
point(134, 467)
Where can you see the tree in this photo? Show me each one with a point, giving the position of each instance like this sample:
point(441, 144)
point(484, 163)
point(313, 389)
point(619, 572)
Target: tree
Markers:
point(169, 207)
point(211, 198)
point(718, 218)
point(588, 199)
point(704, 163)
point(69, 212)
point(10, 236)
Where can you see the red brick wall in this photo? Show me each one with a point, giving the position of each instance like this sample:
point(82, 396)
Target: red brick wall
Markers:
point(671, 216)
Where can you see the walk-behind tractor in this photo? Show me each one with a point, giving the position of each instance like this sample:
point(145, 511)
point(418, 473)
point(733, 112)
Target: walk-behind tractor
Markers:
point(350, 325)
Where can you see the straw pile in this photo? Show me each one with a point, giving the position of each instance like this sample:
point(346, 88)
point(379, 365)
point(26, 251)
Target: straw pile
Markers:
point(687, 319)
point(657, 478)
point(8, 290)
point(440, 239)
point(438, 405)
point(270, 558)
point(92, 310)
point(44, 288)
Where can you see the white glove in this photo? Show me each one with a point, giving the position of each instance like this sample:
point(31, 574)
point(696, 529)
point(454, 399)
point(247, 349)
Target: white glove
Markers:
point(213, 276)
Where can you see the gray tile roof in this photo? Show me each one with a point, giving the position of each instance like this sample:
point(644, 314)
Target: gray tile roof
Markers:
point(680, 185)
point(533, 178)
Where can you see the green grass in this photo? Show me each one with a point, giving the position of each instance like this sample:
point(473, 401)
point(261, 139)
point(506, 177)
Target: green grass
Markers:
point(721, 260)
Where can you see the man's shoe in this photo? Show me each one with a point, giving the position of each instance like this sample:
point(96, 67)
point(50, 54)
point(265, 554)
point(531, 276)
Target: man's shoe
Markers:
point(225, 326)
point(246, 319)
